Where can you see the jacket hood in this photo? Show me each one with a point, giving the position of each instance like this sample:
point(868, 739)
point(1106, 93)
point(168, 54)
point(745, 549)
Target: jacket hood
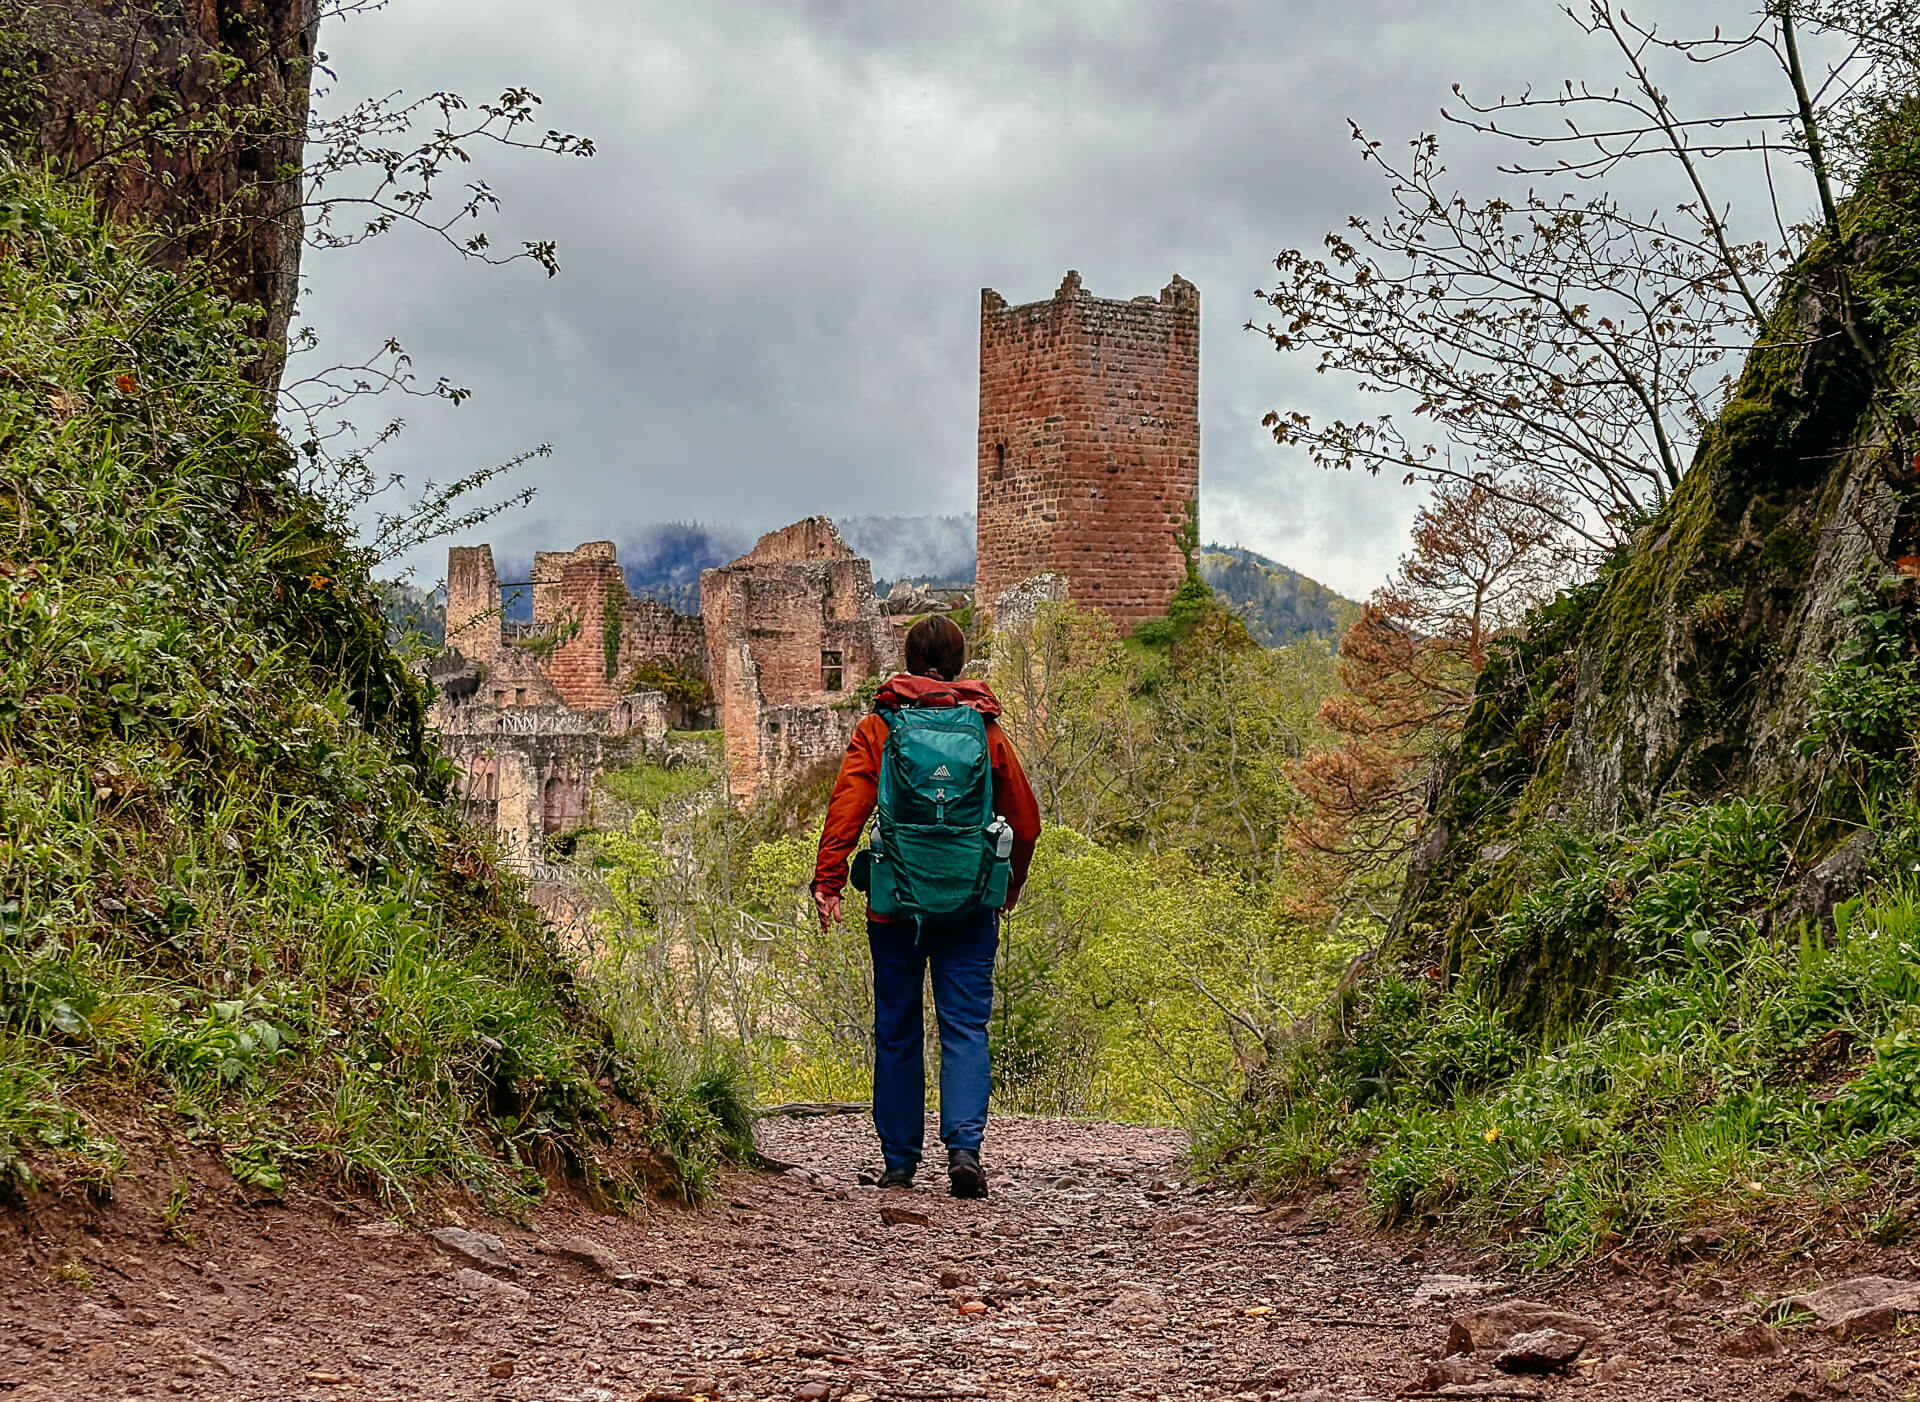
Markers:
point(905, 689)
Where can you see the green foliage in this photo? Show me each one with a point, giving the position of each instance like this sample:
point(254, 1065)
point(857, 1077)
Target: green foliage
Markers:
point(228, 881)
point(1698, 1089)
point(415, 622)
point(648, 787)
point(1165, 977)
point(1183, 748)
point(611, 617)
point(1866, 704)
point(1278, 605)
point(698, 1104)
point(680, 681)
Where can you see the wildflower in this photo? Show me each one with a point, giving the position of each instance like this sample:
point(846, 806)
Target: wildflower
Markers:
point(1492, 1135)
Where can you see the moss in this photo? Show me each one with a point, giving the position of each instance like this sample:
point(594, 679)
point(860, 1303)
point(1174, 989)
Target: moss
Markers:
point(611, 617)
point(1788, 551)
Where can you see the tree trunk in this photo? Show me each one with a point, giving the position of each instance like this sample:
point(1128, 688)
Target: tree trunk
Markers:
point(187, 116)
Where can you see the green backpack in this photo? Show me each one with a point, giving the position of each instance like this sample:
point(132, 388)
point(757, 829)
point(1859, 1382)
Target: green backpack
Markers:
point(938, 848)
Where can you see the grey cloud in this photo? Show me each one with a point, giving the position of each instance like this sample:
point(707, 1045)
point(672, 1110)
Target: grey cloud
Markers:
point(770, 297)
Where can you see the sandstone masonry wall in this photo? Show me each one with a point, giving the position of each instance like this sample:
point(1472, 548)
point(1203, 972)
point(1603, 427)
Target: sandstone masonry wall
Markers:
point(473, 601)
point(528, 772)
point(793, 628)
point(532, 715)
point(1089, 444)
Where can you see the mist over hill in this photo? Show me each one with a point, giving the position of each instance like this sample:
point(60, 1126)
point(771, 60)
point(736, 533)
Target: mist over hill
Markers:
point(936, 550)
point(663, 561)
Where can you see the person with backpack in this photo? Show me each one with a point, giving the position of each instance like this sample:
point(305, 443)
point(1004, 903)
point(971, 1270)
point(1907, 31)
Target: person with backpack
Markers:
point(949, 854)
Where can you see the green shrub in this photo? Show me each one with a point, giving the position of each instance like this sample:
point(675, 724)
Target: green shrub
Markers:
point(1722, 1077)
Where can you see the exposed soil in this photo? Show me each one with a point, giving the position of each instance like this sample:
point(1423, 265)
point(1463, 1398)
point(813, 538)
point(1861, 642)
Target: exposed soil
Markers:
point(1092, 1272)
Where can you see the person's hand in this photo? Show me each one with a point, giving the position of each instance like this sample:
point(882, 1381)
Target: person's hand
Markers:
point(1013, 899)
point(828, 904)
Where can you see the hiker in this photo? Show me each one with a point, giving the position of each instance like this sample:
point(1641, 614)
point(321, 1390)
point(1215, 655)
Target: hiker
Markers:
point(948, 857)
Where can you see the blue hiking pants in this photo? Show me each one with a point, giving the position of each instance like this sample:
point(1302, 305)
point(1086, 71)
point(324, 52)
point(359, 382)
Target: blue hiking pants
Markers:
point(960, 952)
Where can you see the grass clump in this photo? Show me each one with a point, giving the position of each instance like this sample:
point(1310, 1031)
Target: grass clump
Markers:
point(1720, 1076)
point(649, 788)
point(230, 886)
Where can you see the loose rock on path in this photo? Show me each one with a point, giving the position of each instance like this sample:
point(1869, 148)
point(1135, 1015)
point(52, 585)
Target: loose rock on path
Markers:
point(1094, 1271)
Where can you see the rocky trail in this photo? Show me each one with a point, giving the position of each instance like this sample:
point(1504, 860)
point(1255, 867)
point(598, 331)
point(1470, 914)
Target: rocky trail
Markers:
point(1093, 1272)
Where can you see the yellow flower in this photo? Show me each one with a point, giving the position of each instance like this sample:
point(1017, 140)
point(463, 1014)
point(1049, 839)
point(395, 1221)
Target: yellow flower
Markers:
point(1491, 1135)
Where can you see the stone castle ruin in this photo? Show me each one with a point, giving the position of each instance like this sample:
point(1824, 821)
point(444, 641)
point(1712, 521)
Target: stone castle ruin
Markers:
point(1089, 448)
point(1088, 472)
point(793, 630)
point(531, 714)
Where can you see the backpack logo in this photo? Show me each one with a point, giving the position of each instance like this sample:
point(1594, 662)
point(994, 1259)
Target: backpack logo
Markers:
point(942, 773)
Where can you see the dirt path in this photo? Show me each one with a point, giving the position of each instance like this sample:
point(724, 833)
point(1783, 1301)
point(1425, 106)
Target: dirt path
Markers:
point(1092, 1272)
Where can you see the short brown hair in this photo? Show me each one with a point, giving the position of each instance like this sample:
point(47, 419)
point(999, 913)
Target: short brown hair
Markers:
point(936, 648)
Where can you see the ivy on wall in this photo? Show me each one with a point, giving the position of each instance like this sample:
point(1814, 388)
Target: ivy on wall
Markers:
point(610, 614)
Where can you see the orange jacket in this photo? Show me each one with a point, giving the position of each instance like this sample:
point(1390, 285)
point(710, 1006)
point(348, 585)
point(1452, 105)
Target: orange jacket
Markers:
point(857, 789)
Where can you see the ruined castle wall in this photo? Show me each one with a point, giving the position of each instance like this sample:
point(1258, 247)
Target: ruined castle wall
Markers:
point(652, 632)
point(815, 538)
point(549, 565)
point(514, 679)
point(1089, 445)
point(531, 772)
point(791, 626)
point(797, 742)
point(473, 602)
point(585, 666)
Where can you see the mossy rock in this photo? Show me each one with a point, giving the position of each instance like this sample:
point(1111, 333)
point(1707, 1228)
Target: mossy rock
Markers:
point(1686, 667)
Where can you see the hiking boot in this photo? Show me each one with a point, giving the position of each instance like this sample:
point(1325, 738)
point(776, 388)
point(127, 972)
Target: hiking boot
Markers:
point(896, 1178)
point(965, 1177)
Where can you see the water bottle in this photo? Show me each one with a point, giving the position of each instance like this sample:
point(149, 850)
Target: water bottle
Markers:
point(1002, 833)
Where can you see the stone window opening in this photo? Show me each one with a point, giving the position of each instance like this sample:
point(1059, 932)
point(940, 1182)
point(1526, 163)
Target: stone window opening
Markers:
point(999, 460)
point(519, 696)
point(833, 672)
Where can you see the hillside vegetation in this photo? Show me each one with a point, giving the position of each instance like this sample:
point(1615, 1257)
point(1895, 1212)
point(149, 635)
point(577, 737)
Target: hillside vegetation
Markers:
point(233, 907)
point(1159, 932)
point(1278, 605)
point(1656, 972)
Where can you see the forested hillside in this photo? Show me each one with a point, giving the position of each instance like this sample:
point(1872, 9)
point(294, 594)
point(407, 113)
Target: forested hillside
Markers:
point(1278, 605)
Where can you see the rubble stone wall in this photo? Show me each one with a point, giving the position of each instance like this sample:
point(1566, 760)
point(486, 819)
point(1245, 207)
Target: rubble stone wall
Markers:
point(1089, 443)
point(530, 772)
point(548, 566)
point(784, 623)
point(531, 716)
point(473, 602)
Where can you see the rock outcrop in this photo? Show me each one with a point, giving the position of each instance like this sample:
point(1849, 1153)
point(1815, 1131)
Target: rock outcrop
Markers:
point(1688, 667)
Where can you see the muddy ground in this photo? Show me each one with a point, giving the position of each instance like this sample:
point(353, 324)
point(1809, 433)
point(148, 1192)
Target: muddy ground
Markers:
point(1094, 1271)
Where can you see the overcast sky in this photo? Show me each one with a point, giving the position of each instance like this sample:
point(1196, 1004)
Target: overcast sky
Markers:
point(771, 271)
